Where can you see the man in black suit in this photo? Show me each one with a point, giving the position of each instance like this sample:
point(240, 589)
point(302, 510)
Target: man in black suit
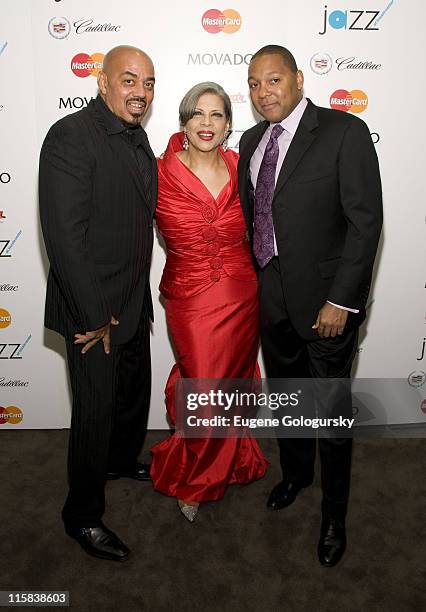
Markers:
point(97, 192)
point(311, 195)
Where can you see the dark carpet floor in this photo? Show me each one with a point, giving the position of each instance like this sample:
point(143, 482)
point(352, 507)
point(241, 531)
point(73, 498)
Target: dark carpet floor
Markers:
point(237, 555)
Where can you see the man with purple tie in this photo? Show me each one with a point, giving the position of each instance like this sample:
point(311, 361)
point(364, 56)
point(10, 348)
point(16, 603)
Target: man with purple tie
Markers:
point(311, 195)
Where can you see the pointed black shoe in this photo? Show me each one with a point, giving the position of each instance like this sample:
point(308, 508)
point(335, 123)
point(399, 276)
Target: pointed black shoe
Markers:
point(284, 494)
point(139, 472)
point(99, 542)
point(332, 542)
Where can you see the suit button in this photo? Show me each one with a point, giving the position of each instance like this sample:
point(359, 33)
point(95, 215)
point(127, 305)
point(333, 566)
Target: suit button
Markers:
point(215, 275)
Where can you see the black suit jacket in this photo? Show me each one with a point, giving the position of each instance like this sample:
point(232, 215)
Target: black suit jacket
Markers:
point(97, 224)
point(327, 212)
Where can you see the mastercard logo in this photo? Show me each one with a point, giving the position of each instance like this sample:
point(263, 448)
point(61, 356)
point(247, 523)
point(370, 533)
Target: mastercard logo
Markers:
point(5, 318)
point(355, 101)
point(228, 21)
point(11, 414)
point(84, 65)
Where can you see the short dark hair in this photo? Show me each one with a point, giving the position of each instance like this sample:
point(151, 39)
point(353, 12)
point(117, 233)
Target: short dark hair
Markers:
point(190, 101)
point(287, 56)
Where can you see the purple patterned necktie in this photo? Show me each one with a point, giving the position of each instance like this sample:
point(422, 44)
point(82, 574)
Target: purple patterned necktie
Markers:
point(263, 236)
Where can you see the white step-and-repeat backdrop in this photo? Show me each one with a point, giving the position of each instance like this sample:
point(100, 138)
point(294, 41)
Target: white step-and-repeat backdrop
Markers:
point(365, 58)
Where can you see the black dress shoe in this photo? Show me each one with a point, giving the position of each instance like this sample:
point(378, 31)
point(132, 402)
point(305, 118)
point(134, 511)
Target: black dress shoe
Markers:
point(139, 472)
point(284, 494)
point(99, 542)
point(332, 542)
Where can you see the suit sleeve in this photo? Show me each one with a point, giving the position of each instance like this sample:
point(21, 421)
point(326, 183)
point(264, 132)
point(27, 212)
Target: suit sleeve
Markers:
point(65, 187)
point(361, 201)
point(241, 144)
point(246, 198)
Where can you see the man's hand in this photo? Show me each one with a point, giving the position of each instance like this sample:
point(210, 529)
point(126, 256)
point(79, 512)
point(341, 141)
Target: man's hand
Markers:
point(90, 338)
point(331, 321)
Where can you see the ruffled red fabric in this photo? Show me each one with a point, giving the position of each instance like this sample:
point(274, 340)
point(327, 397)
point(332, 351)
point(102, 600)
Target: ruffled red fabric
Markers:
point(212, 313)
point(194, 225)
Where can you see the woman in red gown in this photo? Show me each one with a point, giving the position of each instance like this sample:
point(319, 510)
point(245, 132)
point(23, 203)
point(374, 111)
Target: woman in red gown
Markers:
point(210, 291)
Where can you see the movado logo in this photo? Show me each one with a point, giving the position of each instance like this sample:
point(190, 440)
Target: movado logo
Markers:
point(367, 21)
point(5, 177)
point(77, 102)
point(219, 59)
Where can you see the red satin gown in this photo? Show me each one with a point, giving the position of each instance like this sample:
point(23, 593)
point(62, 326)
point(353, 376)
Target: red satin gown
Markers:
point(210, 291)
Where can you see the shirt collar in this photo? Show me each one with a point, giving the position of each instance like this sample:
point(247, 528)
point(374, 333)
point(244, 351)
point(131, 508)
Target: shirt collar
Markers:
point(114, 125)
point(291, 123)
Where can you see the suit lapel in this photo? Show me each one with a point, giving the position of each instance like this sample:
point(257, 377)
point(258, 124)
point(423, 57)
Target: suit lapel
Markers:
point(154, 185)
point(301, 142)
point(252, 143)
point(244, 171)
point(154, 174)
point(124, 156)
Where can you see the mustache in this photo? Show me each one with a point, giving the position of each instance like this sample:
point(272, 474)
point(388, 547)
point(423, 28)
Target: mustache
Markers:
point(137, 99)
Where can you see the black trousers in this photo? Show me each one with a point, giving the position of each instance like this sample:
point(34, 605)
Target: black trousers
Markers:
point(287, 355)
point(111, 395)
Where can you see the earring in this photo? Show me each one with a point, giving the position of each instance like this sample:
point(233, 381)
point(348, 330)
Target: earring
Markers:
point(225, 140)
point(185, 143)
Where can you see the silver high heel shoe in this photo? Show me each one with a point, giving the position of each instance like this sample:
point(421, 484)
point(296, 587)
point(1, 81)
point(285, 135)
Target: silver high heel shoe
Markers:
point(189, 511)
